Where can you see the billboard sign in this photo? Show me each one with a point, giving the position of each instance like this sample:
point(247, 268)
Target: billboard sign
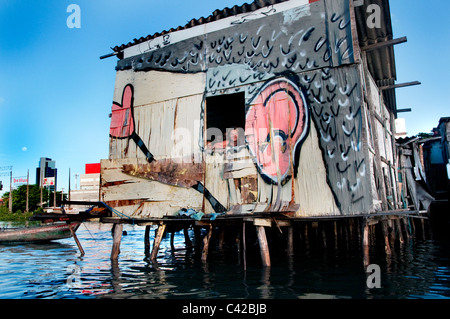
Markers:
point(49, 181)
point(19, 181)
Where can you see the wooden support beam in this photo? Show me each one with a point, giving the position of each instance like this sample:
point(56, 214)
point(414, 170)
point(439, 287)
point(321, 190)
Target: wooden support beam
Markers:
point(335, 235)
point(117, 237)
point(76, 240)
point(365, 244)
point(172, 240)
point(403, 110)
point(266, 222)
point(147, 241)
point(375, 46)
point(283, 222)
point(384, 227)
point(187, 240)
point(157, 242)
point(324, 237)
point(263, 246)
point(290, 241)
point(405, 224)
point(398, 228)
point(306, 236)
point(222, 238)
point(206, 241)
point(244, 246)
point(422, 224)
point(400, 85)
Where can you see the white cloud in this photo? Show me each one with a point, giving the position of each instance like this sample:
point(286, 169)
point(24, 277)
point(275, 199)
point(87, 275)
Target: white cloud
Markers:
point(24, 148)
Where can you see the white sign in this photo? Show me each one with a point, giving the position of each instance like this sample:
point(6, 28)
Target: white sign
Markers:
point(20, 180)
point(49, 181)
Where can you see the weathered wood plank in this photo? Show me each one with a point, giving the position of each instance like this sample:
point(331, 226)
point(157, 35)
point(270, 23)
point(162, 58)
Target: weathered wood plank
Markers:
point(76, 240)
point(263, 246)
point(267, 222)
point(157, 241)
point(206, 241)
point(311, 189)
point(164, 85)
point(117, 237)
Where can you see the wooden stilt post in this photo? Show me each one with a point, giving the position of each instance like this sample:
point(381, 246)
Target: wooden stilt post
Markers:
point(385, 230)
point(157, 241)
point(398, 227)
point(306, 237)
point(206, 240)
point(147, 241)
point(222, 238)
point(405, 225)
point(187, 240)
point(76, 240)
point(197, 236)
point(290, 246)
point(365, 243)
point(324, 237)
point(244, 246)
point(413, 226)
point(335, 235)
point(263, 246)
point(117, 237)
point(422, 224)
point(172, 240)
point(347, 237)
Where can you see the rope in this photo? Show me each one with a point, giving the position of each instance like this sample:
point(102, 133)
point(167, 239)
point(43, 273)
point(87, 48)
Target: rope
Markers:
point(89, 231)
point(115, 211)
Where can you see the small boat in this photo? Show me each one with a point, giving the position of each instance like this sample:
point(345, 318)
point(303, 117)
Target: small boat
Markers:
point(43, 233)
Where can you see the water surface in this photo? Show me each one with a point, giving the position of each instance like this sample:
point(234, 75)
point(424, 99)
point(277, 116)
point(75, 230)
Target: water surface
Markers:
point(419, 269)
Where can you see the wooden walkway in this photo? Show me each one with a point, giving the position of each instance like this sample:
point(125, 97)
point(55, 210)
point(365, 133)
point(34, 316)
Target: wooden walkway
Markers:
point(389, 226)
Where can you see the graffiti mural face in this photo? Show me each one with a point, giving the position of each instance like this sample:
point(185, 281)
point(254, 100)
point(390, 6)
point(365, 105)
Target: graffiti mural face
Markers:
point(122, 121)
point(276, 124)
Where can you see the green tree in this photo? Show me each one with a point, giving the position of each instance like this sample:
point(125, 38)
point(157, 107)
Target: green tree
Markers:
point(19, 198)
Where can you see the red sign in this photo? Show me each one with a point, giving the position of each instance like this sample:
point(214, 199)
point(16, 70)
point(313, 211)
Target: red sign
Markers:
point(92, 168)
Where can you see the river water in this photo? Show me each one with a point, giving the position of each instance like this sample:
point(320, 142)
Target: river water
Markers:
point(419, 269)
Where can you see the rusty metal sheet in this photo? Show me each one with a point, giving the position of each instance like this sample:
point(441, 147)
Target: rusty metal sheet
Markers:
point(168, 172)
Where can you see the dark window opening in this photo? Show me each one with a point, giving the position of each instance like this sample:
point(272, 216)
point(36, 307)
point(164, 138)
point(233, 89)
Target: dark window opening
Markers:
point(225, 120)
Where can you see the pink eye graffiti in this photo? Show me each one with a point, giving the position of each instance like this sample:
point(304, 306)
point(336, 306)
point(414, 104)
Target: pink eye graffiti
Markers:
point(276, 124)
point(122, 121)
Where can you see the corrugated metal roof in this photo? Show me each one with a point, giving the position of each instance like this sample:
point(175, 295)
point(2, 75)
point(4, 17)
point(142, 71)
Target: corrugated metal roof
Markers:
point(381, 61)
point(216, 15)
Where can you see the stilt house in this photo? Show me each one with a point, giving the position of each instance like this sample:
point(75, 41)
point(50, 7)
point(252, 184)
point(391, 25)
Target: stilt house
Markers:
point(270, 107)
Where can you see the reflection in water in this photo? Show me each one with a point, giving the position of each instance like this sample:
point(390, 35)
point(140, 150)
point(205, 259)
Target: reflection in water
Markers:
point(418, 269)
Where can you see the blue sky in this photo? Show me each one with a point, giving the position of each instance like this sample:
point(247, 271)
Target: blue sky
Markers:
point(56, 94)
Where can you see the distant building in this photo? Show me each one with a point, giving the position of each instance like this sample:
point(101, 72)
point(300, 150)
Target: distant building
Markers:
point(437, 159)
point(400, 128)
point(89, 184)
point(47, 168)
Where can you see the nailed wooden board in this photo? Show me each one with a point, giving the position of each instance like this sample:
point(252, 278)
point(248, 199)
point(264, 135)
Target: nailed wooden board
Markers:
point(127, 192)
